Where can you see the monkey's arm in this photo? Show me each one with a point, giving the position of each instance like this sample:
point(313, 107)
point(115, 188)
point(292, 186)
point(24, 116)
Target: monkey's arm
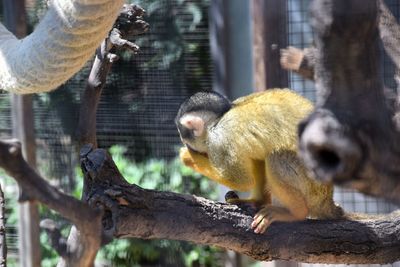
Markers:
point(201, 164)
point(300, 61)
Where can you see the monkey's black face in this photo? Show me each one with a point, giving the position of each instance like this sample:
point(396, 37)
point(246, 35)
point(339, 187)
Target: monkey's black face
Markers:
point(185, 133)
point(189, 139)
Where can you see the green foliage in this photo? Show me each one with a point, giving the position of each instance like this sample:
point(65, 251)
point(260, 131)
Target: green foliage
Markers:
point(137, 252)
point(160, 175)
point(49, 255)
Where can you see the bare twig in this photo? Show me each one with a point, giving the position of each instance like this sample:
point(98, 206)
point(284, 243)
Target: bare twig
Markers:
point(128, 24)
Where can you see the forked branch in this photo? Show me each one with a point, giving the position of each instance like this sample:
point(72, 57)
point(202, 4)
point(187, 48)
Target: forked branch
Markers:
point(86, 219)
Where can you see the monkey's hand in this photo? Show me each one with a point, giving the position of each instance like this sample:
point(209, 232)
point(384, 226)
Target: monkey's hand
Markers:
point(299, 61)
point(291, 58)
point(186, 157)
point(197, 161)
point(200, 163)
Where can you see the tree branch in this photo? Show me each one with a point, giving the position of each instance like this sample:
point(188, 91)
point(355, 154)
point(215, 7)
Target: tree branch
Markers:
point(302, 61)
point(131, 211)
point(86, 219)
point(39, 63)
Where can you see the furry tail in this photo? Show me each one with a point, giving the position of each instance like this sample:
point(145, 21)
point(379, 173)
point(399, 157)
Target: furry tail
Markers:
point(355, 216)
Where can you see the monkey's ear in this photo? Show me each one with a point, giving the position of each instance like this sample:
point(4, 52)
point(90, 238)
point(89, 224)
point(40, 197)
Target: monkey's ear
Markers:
point(194, 123)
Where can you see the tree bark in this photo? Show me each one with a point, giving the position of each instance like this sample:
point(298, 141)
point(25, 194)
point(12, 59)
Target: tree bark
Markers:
point(194, 219)
point(3, 243)
point(350, 138)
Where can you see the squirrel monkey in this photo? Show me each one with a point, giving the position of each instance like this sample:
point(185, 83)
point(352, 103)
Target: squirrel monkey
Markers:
point(251, 145)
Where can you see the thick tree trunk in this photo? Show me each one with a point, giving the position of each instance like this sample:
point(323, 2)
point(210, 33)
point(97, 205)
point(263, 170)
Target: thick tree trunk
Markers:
point(60, 45)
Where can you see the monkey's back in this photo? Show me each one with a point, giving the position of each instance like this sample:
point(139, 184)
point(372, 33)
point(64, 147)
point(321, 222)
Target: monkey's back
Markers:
point(262, 123)
point(255, 127)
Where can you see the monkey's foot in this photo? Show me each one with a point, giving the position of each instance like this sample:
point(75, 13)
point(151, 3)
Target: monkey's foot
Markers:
point(232, 198)
point(269, 214)
point(291, 58)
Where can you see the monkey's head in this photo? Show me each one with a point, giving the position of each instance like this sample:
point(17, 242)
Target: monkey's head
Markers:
point(196, 114)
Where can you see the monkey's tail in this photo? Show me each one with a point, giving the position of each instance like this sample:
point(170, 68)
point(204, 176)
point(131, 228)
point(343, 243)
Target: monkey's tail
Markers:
point(333, 211)
point(356, 216)
point(339, 213)
point(329, 210)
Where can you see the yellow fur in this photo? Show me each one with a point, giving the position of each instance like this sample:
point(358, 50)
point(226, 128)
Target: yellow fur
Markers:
point(252, 147)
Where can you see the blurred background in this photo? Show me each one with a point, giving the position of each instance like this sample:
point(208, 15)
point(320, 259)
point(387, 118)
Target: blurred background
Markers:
point(231, 46)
